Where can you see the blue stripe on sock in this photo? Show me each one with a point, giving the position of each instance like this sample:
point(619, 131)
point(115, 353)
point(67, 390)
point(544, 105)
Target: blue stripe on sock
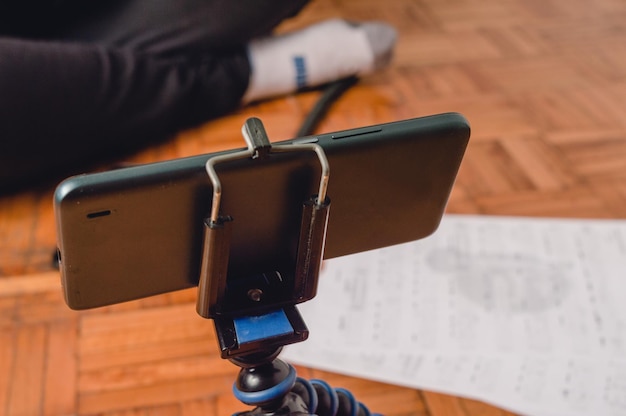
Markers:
point(300, 64)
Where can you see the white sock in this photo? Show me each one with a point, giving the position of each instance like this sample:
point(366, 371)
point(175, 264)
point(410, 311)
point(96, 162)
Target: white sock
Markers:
point(317, 55)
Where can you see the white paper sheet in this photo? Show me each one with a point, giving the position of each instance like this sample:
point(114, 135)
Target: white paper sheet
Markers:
point(527, 314)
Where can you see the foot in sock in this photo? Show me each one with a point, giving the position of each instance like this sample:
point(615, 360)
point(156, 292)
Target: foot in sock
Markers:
point(316, 55)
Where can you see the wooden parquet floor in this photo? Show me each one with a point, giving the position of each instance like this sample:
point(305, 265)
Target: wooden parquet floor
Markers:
point(543, 83)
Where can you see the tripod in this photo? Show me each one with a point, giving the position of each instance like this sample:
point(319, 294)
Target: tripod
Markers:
point(252, 337)
point(272, 385)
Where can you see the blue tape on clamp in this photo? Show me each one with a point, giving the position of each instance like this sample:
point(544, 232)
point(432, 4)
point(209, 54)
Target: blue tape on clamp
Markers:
point(258, 328)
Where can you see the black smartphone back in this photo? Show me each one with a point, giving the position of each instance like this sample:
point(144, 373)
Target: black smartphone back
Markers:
point(136, 232)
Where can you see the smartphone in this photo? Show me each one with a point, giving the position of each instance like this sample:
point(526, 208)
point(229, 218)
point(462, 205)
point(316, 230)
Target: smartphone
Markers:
point(135, 232)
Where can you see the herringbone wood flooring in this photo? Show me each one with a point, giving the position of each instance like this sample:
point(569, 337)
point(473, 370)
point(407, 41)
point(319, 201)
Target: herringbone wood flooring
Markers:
point(543, 83)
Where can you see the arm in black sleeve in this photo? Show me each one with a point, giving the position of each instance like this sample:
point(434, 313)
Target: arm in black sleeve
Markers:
point(64, 104)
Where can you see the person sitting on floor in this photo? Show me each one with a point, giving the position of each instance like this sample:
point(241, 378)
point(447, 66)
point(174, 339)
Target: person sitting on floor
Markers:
point(80, 81)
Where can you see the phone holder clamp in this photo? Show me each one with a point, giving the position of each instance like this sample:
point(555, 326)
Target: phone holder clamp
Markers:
point(268, 320)
point(253, 338)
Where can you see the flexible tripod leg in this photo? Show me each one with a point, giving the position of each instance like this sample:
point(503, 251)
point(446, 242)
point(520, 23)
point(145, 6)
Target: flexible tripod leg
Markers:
point(273, 387)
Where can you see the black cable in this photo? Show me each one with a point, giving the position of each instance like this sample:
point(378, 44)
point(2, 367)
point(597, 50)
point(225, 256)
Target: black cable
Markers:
point(331, 93)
